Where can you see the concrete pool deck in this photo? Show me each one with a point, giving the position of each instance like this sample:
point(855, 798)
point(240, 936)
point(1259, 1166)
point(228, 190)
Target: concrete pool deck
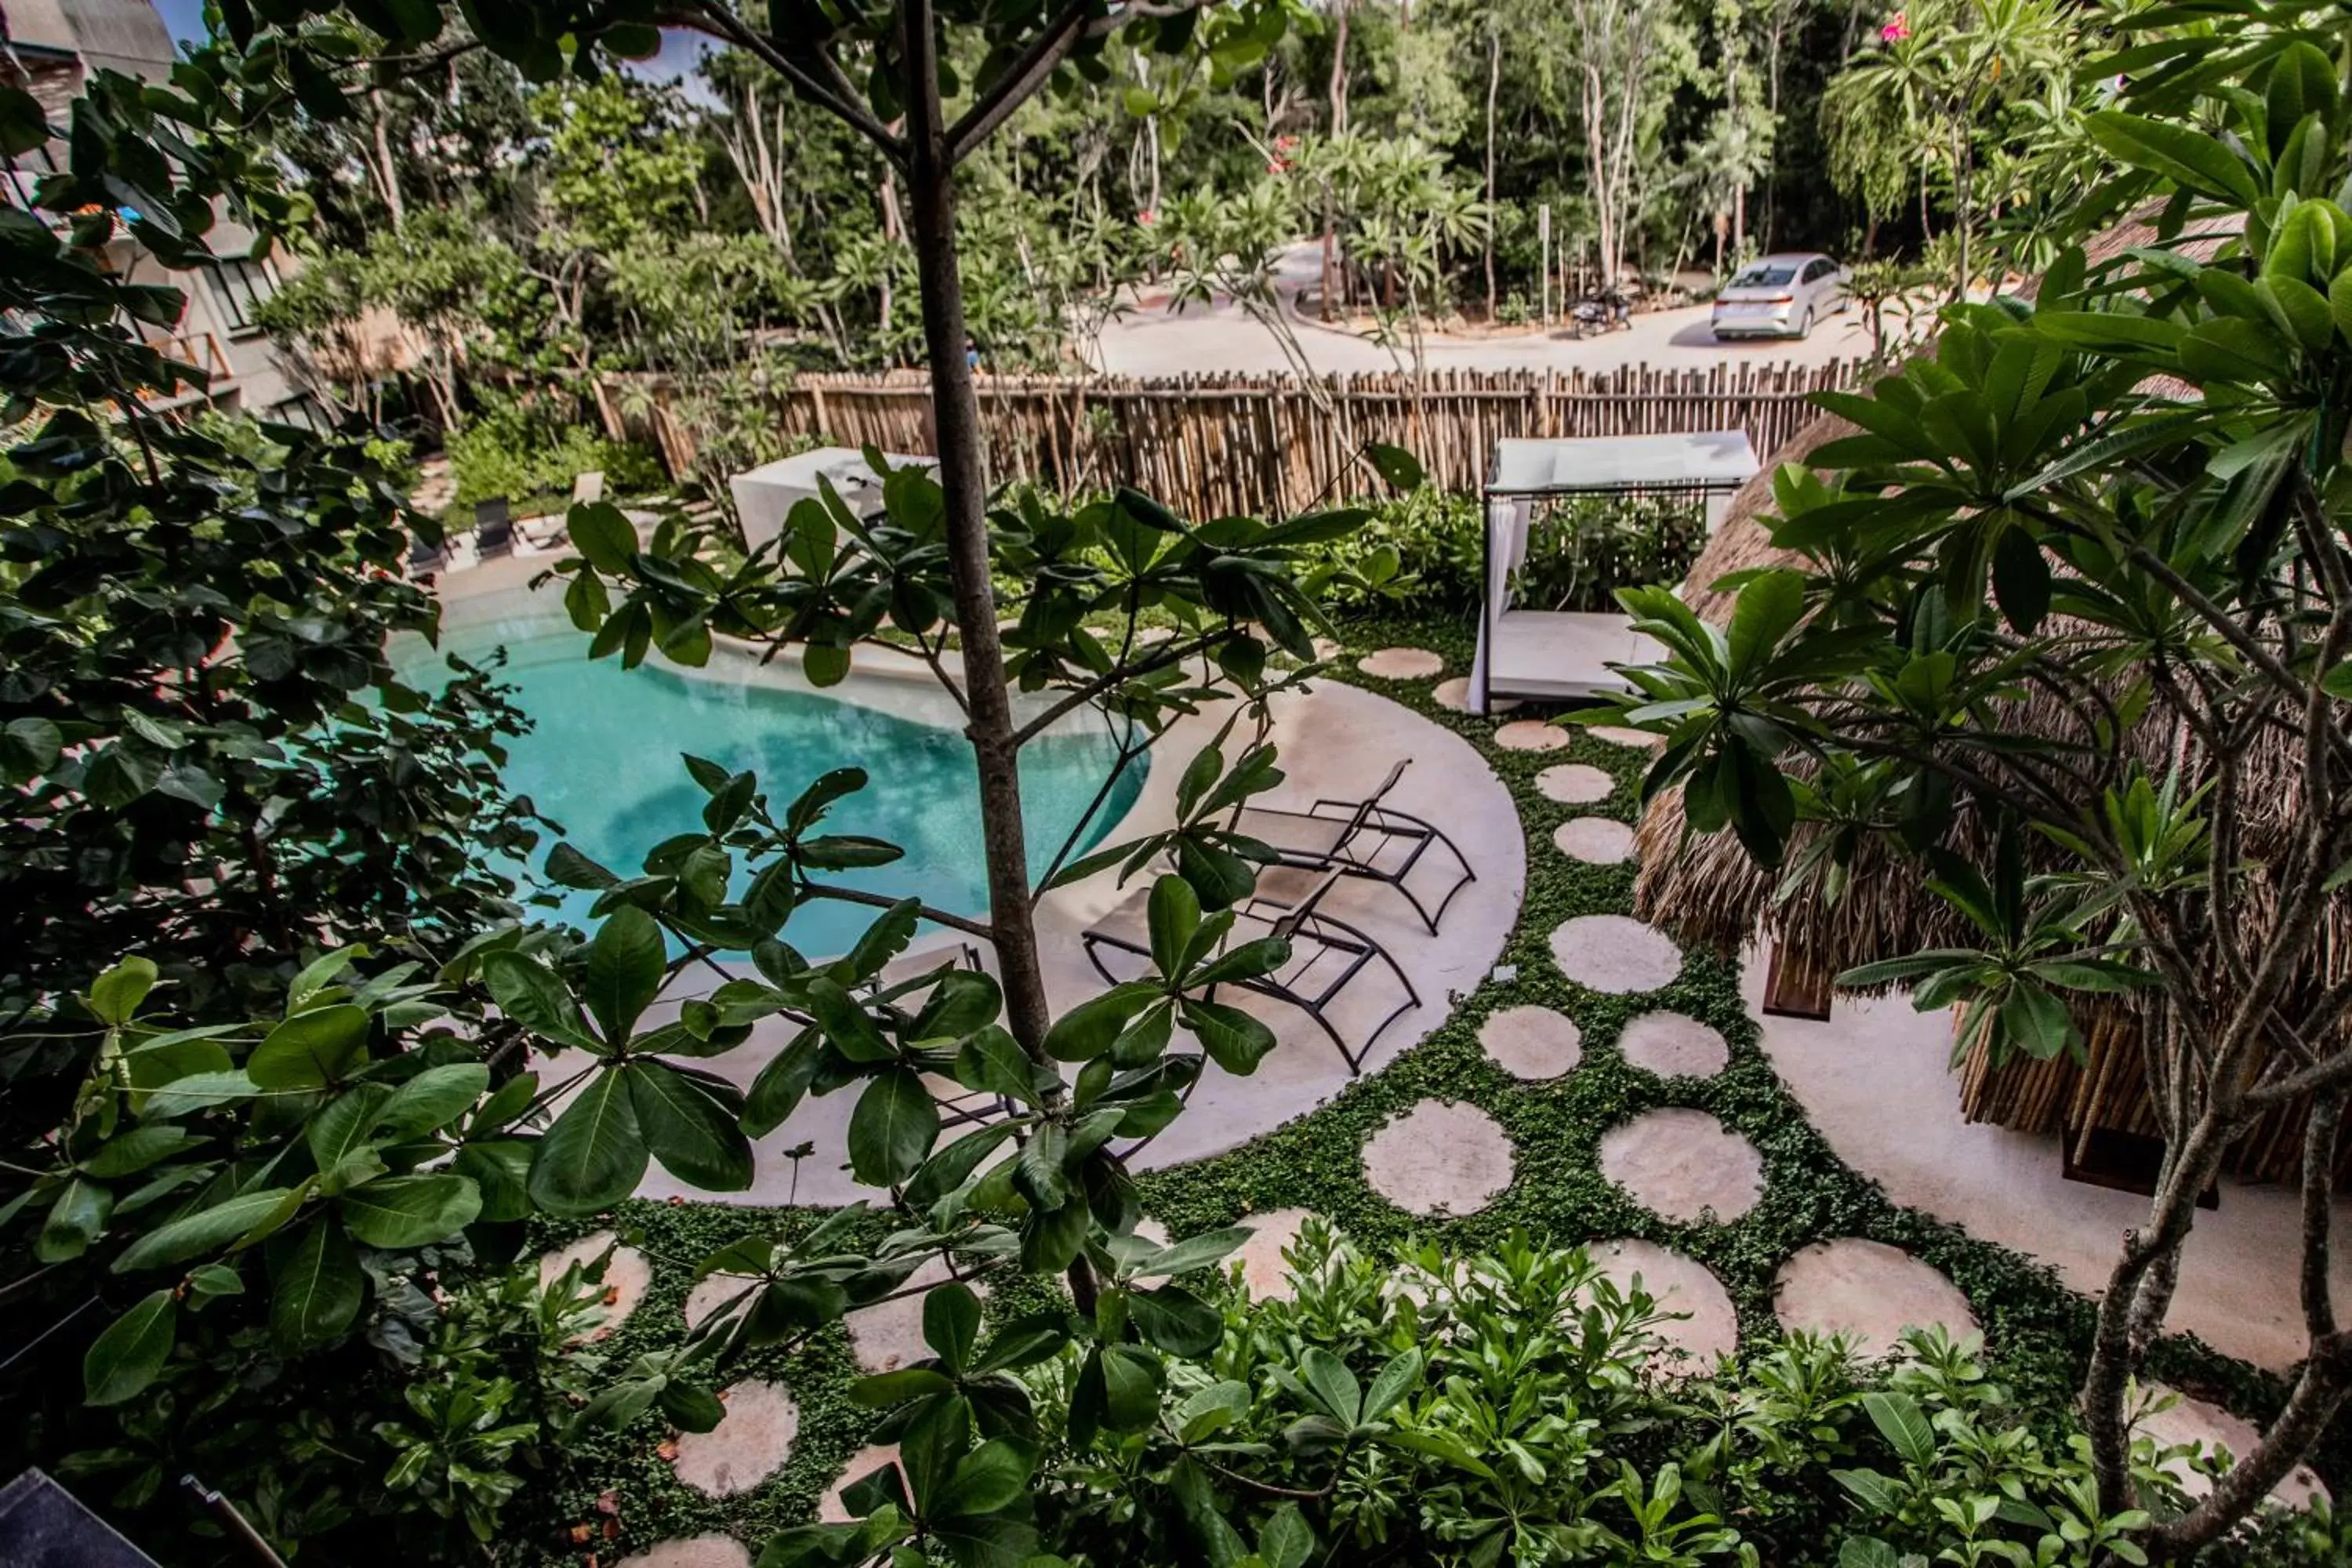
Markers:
point(1330, 740)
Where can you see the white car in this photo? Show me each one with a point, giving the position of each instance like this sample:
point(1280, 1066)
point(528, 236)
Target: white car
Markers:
point(1780, 296)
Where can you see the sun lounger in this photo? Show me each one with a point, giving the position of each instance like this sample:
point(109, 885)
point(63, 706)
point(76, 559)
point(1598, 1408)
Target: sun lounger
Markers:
point(1327, 954)
point(424, 557)
point(1360, 838)
point(493, 529)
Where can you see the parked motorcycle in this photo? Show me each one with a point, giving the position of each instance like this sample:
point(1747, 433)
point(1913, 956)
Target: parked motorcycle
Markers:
point(1610, 311)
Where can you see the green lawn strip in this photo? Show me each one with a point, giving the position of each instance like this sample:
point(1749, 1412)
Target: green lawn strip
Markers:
point(2037, 1331)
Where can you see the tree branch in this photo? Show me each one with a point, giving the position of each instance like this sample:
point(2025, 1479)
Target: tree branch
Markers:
point(838, 97)
point(1160, 657)
point(2320, 1213)
point(1021, 80)
point(884, 901)
point(1036, 64)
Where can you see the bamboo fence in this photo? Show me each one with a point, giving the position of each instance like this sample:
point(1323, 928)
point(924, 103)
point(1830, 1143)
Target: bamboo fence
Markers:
point(1211, 446)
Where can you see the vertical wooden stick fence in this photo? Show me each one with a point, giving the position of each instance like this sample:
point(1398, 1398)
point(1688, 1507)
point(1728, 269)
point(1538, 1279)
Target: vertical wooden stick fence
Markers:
point(1216, 445)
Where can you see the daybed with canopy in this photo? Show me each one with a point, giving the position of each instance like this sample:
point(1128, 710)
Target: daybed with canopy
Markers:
point(1565, 654)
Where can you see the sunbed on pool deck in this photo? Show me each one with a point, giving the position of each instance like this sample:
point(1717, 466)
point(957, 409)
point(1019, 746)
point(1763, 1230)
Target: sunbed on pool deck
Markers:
point(1355, 838)
point(1327, 953)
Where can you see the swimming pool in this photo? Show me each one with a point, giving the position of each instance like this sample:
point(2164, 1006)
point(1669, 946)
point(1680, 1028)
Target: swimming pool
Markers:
point(604, 758)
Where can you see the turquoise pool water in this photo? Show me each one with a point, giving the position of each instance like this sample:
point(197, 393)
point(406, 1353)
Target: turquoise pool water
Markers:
point(602, 761)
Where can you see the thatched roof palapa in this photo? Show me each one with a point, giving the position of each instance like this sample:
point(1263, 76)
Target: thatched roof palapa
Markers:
point(1708, 892)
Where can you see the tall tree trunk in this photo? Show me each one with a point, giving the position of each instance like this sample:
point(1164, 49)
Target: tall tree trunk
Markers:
point(1740, 189)
point(387, 170)
point(1963, 178)
point(1338, 127)
point(1494, 83)
point(955, 420)
point(1778, 30)
point(893, 233)
point(1152, 132)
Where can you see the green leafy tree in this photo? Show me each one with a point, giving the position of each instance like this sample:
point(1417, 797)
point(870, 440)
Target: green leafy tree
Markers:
point(1941, 82)
point(2068, 636)
point(244, 1179)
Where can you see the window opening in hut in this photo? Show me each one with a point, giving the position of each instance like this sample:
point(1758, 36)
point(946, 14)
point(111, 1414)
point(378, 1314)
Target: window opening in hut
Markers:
point(2125, 1162)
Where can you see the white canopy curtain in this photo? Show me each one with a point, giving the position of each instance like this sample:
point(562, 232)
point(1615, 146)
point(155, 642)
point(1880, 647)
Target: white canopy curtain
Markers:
point(1565, 654)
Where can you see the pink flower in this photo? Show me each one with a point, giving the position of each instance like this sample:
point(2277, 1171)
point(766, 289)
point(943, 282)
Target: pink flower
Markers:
point(1147, 217)
point(1895, 30)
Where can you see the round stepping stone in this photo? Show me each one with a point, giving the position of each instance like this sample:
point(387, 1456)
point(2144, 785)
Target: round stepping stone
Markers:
point(1325, 649)
point(1674, 1045)
point(889, 1335)
point(1574, 784)
point(1680, 1284)
point(1440, 1158)
point(1615, 953)
point(830, 1509)
point(1265, 1273)
point(1530, 736)
point(1617, 735)
point(713, 1291)
point(750, 1443)
point(1401, 664)
point(2208, 1424)
point(1595, 840)
point(1455, 693)
point(1532, 1043)
point(1683, 1165)
point(1868, 1291)
point(626, 1275)
point(696, 1552)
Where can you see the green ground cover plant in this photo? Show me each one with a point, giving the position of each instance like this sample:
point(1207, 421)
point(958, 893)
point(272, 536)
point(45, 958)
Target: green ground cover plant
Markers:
point(2036, 1332)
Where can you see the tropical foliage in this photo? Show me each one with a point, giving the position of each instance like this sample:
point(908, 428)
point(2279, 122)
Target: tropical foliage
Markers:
point(2067, 622)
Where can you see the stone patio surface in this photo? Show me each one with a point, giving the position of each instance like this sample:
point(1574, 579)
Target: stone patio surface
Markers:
point(1532, 1043)
point(1868, 1291)
point(1596, 840)
point(1875, 1080)
point(1440, 1158)
point(1672, 1045)
point(1683, 1165)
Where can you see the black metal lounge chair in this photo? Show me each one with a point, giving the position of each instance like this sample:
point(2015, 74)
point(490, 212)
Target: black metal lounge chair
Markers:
point(1327, 954)
point(1358, 838)
point(423, 556)
point(493, 529)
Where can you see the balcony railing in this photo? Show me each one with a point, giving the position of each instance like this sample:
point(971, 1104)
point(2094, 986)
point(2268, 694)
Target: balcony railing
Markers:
point(201, 349)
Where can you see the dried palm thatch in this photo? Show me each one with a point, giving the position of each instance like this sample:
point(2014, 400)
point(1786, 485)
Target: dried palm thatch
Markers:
point(1708, 892)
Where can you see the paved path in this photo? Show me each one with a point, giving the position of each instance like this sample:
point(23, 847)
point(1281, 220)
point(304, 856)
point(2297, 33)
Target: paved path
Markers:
point(1152, 339)
point(2238, 1290)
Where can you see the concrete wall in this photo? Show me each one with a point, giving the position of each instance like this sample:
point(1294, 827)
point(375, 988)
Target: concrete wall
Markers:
point(129, 36)
point(109, 34)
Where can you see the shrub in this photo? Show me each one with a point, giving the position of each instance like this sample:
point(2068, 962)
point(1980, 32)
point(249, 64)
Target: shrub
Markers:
point(1425, 548)
point(522, 449)
point(1517, 1406)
